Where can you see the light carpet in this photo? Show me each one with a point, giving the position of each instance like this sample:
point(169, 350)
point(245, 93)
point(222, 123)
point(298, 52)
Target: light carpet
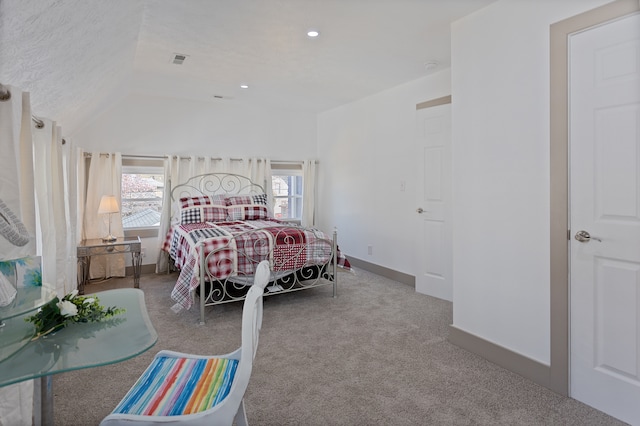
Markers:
point(376, 355)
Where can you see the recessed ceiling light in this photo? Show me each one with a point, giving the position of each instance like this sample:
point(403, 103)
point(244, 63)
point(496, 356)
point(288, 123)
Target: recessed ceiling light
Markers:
point(313, 33)
point(244, 86)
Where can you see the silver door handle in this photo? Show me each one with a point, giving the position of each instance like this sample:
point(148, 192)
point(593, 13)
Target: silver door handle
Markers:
point(420, 210)
point(585, 237)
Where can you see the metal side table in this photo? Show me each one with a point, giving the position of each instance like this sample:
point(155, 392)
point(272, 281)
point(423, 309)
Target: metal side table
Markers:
point(96, 247)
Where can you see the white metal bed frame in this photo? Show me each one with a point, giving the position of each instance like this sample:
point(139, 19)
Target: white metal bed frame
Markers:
point(234, 287)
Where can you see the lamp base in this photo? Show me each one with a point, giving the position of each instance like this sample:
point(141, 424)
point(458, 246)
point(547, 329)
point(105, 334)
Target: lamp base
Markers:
point(109, 238)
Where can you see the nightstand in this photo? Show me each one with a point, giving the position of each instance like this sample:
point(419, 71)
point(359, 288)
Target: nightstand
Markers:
point(96, 247)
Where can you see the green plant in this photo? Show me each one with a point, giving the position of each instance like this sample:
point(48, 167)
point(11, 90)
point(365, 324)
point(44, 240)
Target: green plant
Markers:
point(72, 308)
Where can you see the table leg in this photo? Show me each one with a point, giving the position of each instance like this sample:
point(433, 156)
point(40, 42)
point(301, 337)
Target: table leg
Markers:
point(46, 399)
point(83, 275)
point(136, 262)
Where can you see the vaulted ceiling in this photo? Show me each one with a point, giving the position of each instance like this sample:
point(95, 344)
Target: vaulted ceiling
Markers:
point(77, 57)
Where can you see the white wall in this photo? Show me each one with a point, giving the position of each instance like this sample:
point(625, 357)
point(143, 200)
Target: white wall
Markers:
point(500, 86)
point(150, 125)
point(500, 89)
point(366, 148)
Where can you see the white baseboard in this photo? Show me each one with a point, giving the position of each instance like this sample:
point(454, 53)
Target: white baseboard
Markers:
point(499, 355)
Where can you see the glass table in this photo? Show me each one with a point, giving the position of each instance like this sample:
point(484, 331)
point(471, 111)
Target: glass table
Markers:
point(15, 332)
point(79, 346)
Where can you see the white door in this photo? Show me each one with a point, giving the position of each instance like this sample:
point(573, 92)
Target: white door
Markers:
point(433, 207)
point(605, 202)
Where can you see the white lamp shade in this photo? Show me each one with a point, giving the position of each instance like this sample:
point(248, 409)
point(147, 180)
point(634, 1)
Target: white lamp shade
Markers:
point(108, 204)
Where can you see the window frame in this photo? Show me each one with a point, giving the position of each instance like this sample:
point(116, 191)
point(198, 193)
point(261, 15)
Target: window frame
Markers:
point(287, 170)
point(142, 166)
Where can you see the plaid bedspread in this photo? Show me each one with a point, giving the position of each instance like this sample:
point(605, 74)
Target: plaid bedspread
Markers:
point(236, 248)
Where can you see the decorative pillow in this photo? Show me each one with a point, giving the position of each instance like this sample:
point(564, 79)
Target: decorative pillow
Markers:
point(195, 201)
point(203, 214)
point(214, 213)
point(234, 200)
point(247, 212)
point(218, 199)
point(191, 215)
point(192, 209)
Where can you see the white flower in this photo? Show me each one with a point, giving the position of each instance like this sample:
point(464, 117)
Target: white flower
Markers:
point(89, 301)
point(73, 294)
point(67, 309)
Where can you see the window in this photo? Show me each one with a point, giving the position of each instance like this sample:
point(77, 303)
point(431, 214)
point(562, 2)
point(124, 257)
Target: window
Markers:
point(141, 191)
point(286, 184)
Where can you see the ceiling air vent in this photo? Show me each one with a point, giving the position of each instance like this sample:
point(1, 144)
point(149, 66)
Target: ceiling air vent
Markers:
point(178, 58)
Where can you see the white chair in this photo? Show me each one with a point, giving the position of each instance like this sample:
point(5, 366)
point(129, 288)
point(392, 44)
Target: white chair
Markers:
point(188, 389)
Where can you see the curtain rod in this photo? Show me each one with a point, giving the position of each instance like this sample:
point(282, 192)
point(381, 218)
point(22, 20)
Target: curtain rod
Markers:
point(5, 95)
point(162, 157)
point(240, 159)
point(291, 161)
point(39, 123)
point(200, 157)
point(155, 157)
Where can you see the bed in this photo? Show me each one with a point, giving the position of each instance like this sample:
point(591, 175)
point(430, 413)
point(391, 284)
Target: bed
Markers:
point(222, 227)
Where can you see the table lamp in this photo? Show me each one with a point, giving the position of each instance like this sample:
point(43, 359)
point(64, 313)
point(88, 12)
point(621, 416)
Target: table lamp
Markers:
point(108, 205)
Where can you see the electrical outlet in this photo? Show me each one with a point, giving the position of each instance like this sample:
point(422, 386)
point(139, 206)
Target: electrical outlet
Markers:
point(143, 252)
point(370, 250)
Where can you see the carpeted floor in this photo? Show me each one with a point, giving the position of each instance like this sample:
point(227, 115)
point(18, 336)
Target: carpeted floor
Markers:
point(376, 355)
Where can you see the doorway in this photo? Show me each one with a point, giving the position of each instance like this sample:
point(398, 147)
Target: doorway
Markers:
point(559, 180)
point(434, 242)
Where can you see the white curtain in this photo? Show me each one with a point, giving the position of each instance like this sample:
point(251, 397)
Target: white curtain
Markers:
point(259, 171)
point(104, 178)
point(308, 192)
point(55, 202)
point(81, 189)
point(178, 169)
point(16, 191)
point(16, 169)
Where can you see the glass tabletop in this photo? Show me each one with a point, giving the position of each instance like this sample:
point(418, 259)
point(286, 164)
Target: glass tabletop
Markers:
point(99, 242)
point(85, 345)
point(27, 299)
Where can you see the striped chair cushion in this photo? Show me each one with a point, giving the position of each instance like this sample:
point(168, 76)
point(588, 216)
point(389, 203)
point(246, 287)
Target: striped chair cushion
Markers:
point(177, 386)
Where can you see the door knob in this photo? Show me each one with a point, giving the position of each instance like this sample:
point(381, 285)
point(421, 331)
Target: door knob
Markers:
point(585, 237)
point(420, 210)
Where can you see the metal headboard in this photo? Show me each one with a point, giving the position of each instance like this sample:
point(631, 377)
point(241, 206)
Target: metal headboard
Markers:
point(215, 183)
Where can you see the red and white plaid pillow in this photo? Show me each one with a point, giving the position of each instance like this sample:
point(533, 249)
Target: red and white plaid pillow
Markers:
point(204, 208)
point(194, 201)
point(214, 213)
point(235, 200)
point(247, 212)
point(199, 214)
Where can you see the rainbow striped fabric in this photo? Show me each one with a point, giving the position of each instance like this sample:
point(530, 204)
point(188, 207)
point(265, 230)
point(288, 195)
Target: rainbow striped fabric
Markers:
point(178, 386)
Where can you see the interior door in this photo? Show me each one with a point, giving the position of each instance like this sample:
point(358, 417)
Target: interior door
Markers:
point(604, 104)
point(434, 241)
